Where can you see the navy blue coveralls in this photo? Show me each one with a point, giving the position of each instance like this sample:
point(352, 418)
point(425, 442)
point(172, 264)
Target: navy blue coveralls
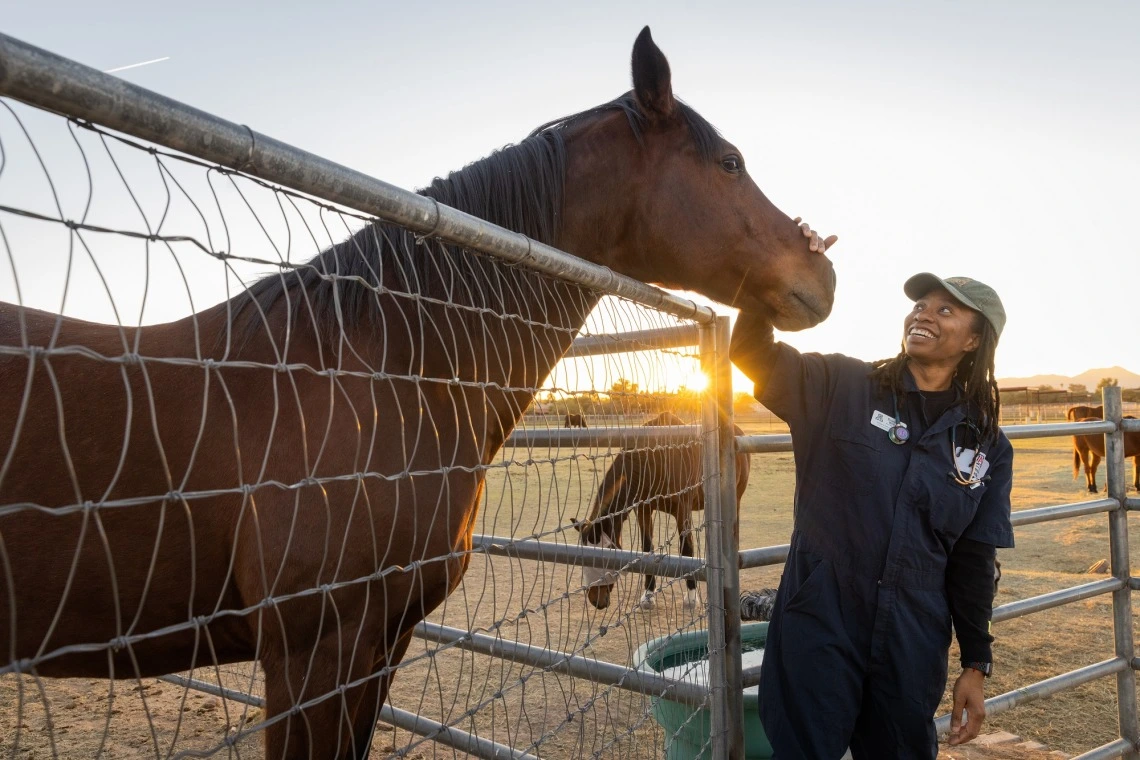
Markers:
point(857, 648)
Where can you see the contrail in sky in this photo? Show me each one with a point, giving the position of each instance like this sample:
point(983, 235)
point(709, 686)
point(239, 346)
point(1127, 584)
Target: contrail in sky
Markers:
point(135, 65)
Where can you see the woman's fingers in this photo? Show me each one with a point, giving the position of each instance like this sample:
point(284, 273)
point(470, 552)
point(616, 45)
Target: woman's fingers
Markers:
point(815, 243)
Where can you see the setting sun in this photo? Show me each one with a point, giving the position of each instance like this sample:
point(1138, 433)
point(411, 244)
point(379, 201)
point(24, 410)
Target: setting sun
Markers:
point(695, 381)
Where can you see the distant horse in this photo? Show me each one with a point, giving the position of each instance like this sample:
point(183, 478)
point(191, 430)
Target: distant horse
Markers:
point(181, 494)
point(1088, 450)
point(575, 420)
point(658, 478)
point(1076, 413)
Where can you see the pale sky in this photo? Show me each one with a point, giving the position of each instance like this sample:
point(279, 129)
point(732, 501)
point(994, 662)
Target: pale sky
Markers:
point(990, 139)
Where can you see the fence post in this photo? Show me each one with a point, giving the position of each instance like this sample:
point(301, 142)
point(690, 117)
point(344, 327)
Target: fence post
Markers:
point(1121, 568)
point(726, 692)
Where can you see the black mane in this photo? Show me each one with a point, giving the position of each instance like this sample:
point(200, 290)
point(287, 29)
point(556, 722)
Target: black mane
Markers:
point(518, 187)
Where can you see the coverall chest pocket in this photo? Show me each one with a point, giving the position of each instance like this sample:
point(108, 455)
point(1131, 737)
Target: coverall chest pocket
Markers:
point(855, 458)
point(955, 509)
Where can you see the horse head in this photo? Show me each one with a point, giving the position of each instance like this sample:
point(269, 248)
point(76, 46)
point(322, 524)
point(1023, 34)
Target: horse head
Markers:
point(597, 581)
point(678, 207)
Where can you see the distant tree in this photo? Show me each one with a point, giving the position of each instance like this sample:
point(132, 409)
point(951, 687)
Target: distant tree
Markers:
point(1044, 387)
point(623, 387)
point(1078, 388)
point(1107, 382)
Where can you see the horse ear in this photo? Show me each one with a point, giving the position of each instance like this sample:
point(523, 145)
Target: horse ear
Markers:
point(577, 525)
point(652, 82)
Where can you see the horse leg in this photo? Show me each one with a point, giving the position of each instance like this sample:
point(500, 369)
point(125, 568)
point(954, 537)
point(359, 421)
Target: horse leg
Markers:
point(1136, 472)
point(1093, 466)
point(327, 728)
point(645, 526)
point(372, 700)
point(685, 526)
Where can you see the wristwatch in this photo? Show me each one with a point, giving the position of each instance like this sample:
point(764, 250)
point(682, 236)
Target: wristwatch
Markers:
point(985, 668)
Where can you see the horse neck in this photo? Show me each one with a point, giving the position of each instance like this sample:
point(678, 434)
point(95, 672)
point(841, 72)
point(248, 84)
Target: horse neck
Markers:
point(607, 503)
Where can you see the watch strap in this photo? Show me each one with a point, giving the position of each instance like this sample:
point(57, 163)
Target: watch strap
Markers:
point(985, 668)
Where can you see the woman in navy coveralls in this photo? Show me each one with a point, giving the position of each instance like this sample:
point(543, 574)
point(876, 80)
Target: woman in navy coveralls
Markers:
point(895, 537)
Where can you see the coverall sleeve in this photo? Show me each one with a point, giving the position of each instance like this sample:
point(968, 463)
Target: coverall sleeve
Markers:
point(792, 385)
point(991, 524)
point(970, 589)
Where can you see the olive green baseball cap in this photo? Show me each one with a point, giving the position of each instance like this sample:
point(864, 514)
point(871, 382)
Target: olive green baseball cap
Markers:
point(977, 295)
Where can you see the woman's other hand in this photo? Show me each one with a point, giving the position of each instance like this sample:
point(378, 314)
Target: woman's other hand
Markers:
point(968, 696)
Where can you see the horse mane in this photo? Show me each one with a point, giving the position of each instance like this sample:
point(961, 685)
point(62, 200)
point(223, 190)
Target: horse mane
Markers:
point(518, 187)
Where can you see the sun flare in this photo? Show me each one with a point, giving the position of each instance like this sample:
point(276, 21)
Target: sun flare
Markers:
point(695, 381)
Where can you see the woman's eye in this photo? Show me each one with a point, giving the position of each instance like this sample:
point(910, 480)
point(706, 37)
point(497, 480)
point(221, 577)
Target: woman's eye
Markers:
point(732, 164)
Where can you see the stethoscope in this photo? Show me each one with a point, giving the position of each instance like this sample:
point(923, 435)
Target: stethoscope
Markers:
point(899, 434)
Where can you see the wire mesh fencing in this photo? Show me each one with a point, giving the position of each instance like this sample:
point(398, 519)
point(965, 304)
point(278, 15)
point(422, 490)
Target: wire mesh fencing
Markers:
point(320, 471)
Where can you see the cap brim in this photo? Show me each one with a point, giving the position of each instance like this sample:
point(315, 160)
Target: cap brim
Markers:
point(924, 282)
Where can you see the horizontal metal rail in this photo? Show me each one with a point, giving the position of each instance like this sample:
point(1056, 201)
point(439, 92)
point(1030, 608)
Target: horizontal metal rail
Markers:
point(680, 336)
point(763, 444)
point(1062, 511)
point(1132, 502)
point(1057, 429)
point(1052, 599)
point(768, 555)
point(1041, 689)
point(212, 688)
point(1130, 426)
point(1118, 748)
point(449, 736)
point(446, 735)
point(48, 81)
point(611, 674)
point(639, 436)
point(760, 444)
point(664, 565)
point(1134, 583)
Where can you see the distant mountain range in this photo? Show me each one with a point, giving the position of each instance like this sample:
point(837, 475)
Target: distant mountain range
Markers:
point(1089, 379)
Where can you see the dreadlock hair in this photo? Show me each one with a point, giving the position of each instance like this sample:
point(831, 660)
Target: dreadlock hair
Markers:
point(975, 372)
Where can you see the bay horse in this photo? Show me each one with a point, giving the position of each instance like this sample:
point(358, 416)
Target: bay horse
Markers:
point(1078, 413)
point(575, 421)
point(657, 478)
point(293, 476)
point(1088, 450)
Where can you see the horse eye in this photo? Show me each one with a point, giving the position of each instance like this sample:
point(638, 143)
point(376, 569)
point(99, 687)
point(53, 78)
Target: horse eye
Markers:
point(732, 163)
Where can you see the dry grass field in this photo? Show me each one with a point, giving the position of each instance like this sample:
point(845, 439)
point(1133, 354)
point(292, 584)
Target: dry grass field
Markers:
point(542, 604)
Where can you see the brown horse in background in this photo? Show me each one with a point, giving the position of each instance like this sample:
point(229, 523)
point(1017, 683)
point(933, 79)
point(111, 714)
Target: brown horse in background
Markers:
point(575, 421)
point(658, 478)
point(1088, 450)
point(1079, 413)
point(293, 476)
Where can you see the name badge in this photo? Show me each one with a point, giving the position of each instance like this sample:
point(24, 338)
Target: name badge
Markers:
point(882, 421)
point(971, 465)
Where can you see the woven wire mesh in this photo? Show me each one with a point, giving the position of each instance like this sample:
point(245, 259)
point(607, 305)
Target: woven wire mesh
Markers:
point(265, 493)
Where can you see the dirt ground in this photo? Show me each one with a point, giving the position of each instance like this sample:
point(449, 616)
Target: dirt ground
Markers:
point(555, 716)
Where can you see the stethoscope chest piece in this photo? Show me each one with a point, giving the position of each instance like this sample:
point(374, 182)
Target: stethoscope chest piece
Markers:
point(898, 432)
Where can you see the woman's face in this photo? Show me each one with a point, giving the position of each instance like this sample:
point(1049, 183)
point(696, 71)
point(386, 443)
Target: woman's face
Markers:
point(940, 329)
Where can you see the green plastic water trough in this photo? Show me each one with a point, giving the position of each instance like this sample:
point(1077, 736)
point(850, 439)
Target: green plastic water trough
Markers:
point(687, 728)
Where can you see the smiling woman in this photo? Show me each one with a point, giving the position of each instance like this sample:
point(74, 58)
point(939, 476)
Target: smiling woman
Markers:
point(903, 480)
